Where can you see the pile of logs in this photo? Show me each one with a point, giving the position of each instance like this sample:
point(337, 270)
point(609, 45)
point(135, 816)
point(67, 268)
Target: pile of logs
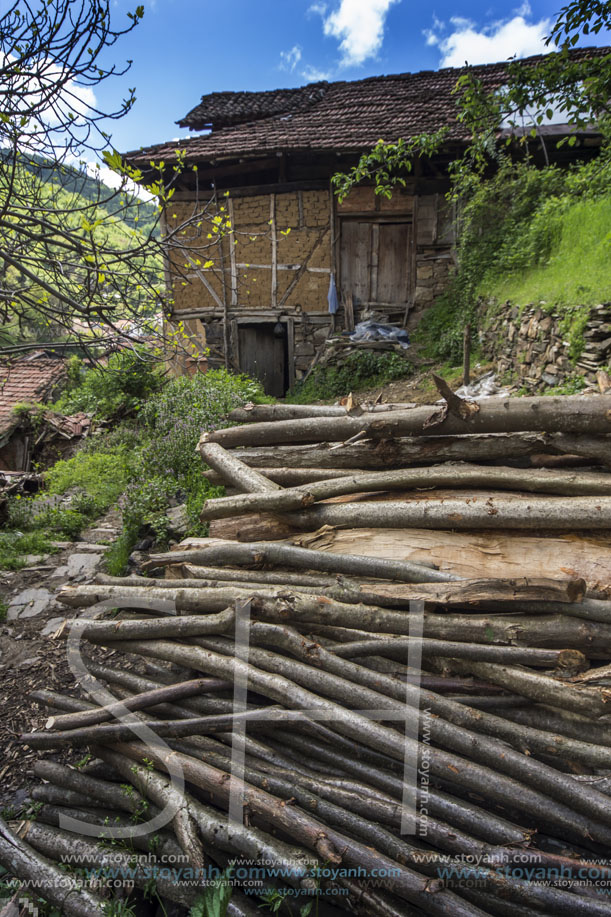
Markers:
point(382, 731)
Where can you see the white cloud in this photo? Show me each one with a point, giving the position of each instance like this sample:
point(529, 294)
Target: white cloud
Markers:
point(462, 41)
point(290, 59)
point(359, 24)
point(314, 75)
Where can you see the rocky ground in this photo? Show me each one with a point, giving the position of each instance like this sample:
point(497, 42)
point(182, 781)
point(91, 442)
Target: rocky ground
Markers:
point(30, 657)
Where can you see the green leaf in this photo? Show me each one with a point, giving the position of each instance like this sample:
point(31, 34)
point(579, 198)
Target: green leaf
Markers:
point(215, 899)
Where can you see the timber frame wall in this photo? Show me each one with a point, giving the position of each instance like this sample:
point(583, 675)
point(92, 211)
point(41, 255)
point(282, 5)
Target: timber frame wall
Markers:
point(276, 262)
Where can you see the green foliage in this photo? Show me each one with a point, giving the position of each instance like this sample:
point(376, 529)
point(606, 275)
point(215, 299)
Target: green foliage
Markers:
point(215, 899)
point(3, 611)
point(566, 256)
point(169, 469)
point(116, 390)
point(102, 475)
point(527, 235)
point(388, 164)
point(15, 545)
point(361, 369)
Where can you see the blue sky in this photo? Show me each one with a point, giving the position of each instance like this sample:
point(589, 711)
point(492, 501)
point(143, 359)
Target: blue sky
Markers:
point(185, 48)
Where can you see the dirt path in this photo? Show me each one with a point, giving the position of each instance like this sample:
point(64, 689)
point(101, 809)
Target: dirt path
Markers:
point(30, 658)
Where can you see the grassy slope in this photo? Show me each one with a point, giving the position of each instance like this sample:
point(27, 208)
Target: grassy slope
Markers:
point(578, 269)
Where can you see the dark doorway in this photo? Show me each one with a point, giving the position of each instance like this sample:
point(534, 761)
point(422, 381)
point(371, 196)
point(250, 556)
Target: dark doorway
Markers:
point(264, 355)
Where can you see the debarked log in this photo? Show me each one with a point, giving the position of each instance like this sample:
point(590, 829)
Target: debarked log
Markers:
point(540, 414)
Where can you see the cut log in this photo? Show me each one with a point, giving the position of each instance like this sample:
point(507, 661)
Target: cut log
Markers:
point(303, 559)
point(254, 413)
point(534, 514)
point(476, 652)
point(590, 702)
point(566, 414)
point(138, 702)
point(473, 555)
point(235, 472)
point(569, 483)
point(400, 452)
point(40, 874)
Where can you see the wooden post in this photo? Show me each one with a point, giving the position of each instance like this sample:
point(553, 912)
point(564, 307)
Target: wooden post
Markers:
point(467, 356)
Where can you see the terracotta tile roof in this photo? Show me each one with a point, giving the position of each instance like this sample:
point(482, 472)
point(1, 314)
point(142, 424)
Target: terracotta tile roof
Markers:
point(32, 379)
point(342, 116)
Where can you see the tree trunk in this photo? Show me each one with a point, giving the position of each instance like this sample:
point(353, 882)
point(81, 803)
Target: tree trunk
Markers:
point(303, 559)
point(233, 471)
point(398, 453)
point(469, 476)
point(567, 414)
point(534, 514)
point(253, 413)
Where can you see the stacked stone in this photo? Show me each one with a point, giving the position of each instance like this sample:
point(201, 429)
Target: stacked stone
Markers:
point(530, 344)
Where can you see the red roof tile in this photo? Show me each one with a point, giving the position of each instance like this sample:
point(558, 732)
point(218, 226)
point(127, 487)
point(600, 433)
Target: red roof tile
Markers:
point(342, 116)
point(31, 379)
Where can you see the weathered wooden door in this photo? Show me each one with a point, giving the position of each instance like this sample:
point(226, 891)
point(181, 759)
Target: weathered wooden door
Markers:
point(375, 260)
point(263, 355)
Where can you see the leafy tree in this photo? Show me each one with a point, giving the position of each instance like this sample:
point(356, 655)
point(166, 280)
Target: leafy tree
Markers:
point(73, 259)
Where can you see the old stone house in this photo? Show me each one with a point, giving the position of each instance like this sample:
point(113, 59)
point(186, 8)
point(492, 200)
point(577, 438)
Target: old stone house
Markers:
point(261, 164)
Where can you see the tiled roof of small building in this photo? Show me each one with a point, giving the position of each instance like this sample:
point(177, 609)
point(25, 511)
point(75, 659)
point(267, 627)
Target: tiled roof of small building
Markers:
point(340, 117)
point(32, 379)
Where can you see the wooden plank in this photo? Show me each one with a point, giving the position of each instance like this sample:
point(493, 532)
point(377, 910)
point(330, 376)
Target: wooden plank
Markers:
point(374, 261)
point(290, 354)
point(232, 259)
point(393, 268)
point(355, 248)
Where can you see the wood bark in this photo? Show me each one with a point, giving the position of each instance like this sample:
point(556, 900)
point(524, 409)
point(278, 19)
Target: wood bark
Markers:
point(138, 702)
point(233, 471)
point(381, 455)
point(303, 559)
point(470, 513)
point(469, 774)
point(21, 861)
point(253, 413)
point(476, 652)
point(450, 475)
point(589, 702)
point(565, 414)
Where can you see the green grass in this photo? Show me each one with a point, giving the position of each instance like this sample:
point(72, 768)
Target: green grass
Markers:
point(578, 270)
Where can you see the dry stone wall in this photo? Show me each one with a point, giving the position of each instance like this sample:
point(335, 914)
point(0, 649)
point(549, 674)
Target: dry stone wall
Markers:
point(529, 346)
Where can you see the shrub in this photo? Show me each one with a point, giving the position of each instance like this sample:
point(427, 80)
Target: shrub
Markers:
point(115, 390)
point(361, 369)
point(169, 468)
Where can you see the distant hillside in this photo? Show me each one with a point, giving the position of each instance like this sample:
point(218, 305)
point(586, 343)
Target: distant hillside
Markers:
point(122, 222)
point(136, 213)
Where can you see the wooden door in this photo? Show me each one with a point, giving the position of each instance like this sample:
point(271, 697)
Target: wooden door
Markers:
point(375, 260)
point(263, 355)
point(393, 261)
